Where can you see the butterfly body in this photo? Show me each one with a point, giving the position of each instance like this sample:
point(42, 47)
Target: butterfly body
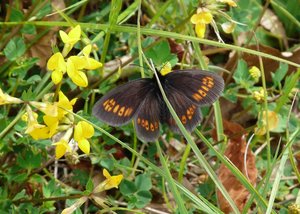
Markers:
point(142, 101)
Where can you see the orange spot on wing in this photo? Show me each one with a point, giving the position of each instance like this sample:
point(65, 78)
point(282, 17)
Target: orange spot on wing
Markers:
point(105, 103)
point(152, 128)
point(202, 93)
point(204, 88)
point(197, 97)
point(121, 111)
point(116, 108)
point(139, 120)
point(183, 119)
point(128, 112)
point(147, 125)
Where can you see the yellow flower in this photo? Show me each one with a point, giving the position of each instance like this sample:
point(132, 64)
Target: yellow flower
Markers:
point(7, 99)
point(46, 108)
point(61, 148)
point(82, 132)
point(255, 73)
point(200, 30)
point(74, 66)
point(58, 66)
point(52, 124)
point(229, 2)
point(259, 94)
point(91, 63)
point(109, 183)
point(64, 103)
point(203, 16)
point(228, 27)
point(70, 39)
point(201, 19)
point(36, 130)
point(166, 69)
point(273, 121)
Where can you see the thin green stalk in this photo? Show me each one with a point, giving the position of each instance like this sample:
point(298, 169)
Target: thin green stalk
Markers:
point(183, 162)
point(265, 109)
point(275, 185)
point(139, 42)
point(113, 17)
point(159, 33)
point(177, 196)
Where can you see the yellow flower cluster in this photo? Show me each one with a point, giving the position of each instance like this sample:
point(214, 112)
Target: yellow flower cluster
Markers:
point(56, 119)
point(74, 66)
point(255, 73)
point(204, 16)
point(259, 94)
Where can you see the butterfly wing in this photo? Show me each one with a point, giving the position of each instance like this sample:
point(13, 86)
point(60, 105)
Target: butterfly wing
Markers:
point(201, 87)
point(119, 106)
point(147, 118)
point(186, 110)
point(186, 91)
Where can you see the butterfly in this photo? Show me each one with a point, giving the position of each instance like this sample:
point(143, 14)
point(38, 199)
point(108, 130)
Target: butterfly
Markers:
point(141, 100)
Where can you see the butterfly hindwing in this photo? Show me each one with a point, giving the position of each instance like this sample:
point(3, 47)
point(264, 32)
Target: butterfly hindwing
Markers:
point(187, 111)
point(119, 106)
point(147, 118)
point(201, 87)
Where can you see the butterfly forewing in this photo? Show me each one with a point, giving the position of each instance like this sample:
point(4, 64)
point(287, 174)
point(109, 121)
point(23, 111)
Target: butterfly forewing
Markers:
point(187, 111)
point(147, 118)
point(120, 105)
point(201, 87)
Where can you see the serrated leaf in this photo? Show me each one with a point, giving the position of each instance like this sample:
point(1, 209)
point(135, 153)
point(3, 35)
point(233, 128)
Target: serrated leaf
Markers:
point(29, 160)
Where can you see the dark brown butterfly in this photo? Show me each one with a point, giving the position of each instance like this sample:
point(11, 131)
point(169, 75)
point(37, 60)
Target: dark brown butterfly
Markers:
point(142, 101)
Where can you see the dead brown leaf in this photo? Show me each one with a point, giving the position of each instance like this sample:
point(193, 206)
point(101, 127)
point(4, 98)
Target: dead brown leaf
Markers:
point(235, 151)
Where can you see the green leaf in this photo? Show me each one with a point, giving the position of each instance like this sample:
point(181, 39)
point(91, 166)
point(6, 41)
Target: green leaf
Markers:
point(107, 163)
point(20, 195)
point(279, 73)
point(143, 198)
point(241, 74)
point(16, 15)
point(29, 160)
point(127, 187)
point(161, 53)
point(143, 182)
point(28, 95)
point(89, 185)
point(28, 29)
point(15, 48)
